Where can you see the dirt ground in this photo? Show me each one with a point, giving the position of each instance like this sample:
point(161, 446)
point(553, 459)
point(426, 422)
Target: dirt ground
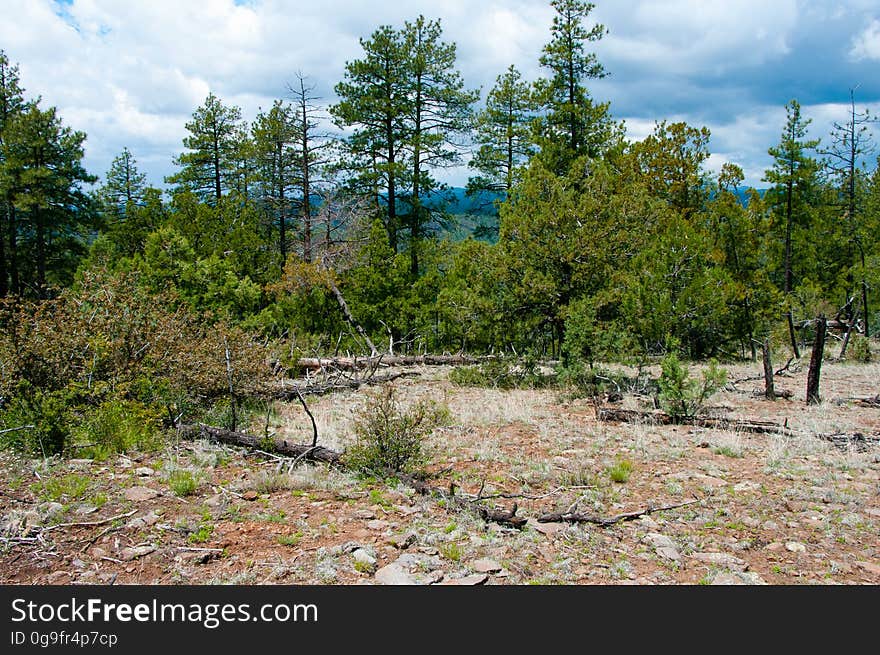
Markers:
point(762, 508)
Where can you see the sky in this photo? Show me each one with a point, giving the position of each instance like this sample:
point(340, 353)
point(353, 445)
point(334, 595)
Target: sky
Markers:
point(130, 73)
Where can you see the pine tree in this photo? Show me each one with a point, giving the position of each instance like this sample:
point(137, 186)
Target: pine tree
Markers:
point(375, 100)
point(573, 124)
point(440, 114)
point(850, 142)
point(43, 175)
point(209, 167)
point(275, 139)
point(792, 174)
point(11, 103)
point(124, 186)
point(503, 132)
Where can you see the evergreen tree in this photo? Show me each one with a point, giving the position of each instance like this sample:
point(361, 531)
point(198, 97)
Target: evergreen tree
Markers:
point(275, 141)
point(792, 175)
point(43, 175)
point(11, 103)
point(503, 132)
point(440, 113)
point(850, 142)
point(375, 100)
point(573, 124)
point(209, 167)
point(124, 186)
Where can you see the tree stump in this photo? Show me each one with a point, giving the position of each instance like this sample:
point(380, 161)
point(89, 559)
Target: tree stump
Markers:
point(816, 362)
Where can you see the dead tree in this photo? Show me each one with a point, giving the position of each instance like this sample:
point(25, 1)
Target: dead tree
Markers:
point(816, 362)
point(769, 392)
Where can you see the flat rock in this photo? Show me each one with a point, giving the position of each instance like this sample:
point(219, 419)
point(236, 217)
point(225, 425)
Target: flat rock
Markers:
point(486, 566)
point(144, 471)
point(466, 581)
point(669, 553)
point(377, 524)
point(658, 540)
point(129, 554)
point(58, 577)
point(250, 495)
point(774, 547)
point(722, 559)
point(144, 521)
point(193, 557)
point(394, 574)
point(738, 578)
point(795, 547)
point(140, 494)
point(365, 514)
point(549, 529)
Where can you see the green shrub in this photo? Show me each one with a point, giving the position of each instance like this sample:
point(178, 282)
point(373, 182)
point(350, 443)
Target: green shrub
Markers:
point(182, 482)
point(118, 426)
point(682, 396)
point(501, 374)
point(38, 421)
point(389, 438)
point(859, 349)
point(621, 471)
point(65, 488)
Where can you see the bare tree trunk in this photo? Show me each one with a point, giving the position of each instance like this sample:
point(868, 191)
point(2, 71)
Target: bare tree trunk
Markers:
point(769, 392)
point(816, 362)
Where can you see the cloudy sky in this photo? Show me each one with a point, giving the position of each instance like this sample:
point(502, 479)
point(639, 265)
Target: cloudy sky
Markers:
point(130, 73)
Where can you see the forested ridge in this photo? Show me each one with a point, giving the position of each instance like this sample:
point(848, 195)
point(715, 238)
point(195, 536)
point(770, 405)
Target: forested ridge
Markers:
point(126, 307)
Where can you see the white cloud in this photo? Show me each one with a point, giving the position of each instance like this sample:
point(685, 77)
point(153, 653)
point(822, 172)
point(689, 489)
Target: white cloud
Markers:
point(131, 73)
point(867, 44)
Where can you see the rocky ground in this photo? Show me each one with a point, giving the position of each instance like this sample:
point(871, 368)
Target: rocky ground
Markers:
point(762, 509)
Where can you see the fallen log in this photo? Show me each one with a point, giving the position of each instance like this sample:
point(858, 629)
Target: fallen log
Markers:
point(309, 388)
point(575, 517)
point(278, 446)
point(858, 440)
point(494, 515)
point(615, 415)
point(362, 363)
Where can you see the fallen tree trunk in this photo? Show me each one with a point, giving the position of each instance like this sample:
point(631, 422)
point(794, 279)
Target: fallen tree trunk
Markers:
point(361, 363)
point(307, 388)
point(615, 415)
point(861, 442)
point(575, 517)
point(280, 447)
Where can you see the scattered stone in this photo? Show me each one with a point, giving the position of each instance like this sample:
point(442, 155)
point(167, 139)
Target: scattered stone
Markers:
point(749, 522)
point(649, 523)
point(365, 514)
point(140, 494)
point(873, 511)
point(774, 547)
point(78, 564)
point(52, 508)
point(79, 463)
point(394, 574)
point(377, 524)
point(869, 567)
point(129, 554)
point(669, 553)
point(406, 511)
point(250, 495)
point(795, 547)
point(486, 566)
point(364, 558)
point(547, 529)
point(144, 521)
point(83, 510)
point(58, 577)
point(403, 541)
point(840, 567)
point(467, 581)
point(144, 471)
point(748, 485)
point(428, 550)
point(722, 559)
point(770, 526)
point(659, 540)
point(738, 578)
point(214, 501)
point(436, 576)
point(195, 557)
